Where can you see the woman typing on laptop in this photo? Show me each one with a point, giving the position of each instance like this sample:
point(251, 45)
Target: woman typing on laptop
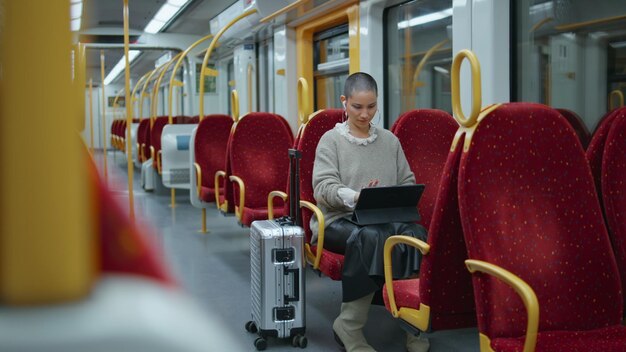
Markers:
point(354, 155)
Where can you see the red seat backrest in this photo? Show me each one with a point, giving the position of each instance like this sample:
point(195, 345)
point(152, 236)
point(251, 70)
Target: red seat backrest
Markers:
point(210, 145)
point(156, 131)
point(578, 125)
point(596, 147)
point(613, 182)
point(527, 203)
point(318, 124)
point(258, 154)
point(143, 136)
point(425, 136)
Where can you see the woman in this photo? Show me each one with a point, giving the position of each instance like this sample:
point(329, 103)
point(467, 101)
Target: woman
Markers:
point(353, 155)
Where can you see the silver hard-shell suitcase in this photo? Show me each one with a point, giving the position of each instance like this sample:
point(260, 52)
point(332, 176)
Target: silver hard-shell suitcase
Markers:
point(277, 272)
point(277, 281)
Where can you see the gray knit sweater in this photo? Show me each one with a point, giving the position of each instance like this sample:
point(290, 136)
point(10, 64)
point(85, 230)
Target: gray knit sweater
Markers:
point(341, 163)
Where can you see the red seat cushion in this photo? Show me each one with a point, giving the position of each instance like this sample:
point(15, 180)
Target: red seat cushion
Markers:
point(406, 293)
point(596, 147)
point(253, 214)
point(609, 339)
point(331, 264)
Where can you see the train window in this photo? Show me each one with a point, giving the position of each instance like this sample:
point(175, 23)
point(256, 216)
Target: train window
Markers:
point(331, 66)
point(570, 54)
point(418, 47)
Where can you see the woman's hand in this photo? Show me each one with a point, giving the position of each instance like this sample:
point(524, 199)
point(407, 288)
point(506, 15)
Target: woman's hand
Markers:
point(372, 183)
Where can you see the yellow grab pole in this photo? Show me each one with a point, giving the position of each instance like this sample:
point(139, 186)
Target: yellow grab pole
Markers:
point(177, 66)
point(249, 87)
point(129, 116)
point(207, 55)
point(91, 112)
point(157, 84)
point(103, 119)
point(47, 236)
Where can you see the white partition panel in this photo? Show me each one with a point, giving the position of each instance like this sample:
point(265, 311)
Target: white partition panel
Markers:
point(175, 146)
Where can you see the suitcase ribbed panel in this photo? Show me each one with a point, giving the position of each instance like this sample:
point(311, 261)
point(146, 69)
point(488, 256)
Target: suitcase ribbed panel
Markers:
point(255, 273)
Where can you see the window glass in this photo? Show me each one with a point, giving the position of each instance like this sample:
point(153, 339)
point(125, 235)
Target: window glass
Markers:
point(570, 54)
point(418, 47)
point(331, 66)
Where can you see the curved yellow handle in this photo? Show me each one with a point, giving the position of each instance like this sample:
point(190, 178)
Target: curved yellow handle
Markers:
point(524, 290)
point(424, 60)
point(270, 203)
point(158, 160)
point(304, 104)
point(234, 102)
point(320, 231)
point(456, 88)
point(620, 98)
point(198, 178)
point(218, 175)
point(242, 196)
point(209, 51)
point(391, 242)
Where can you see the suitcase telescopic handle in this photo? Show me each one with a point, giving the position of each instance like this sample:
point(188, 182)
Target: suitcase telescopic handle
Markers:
point(296, 285)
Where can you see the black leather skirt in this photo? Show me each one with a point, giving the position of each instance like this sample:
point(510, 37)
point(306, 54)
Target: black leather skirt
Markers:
point(362, 246)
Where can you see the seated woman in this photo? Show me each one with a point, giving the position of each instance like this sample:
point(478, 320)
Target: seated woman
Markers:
point(353, 155)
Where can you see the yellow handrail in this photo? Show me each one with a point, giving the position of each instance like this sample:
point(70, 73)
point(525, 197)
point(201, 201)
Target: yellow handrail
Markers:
point(91, 112)
point(234, 102)
point(304, 105)
point(476, 88)
point(157, 84)
point(242, 196)
point(177, 66)
point(620, 98)
point(249, 87)
point(287, 8)
point(50, 259)
point(209, 51)
point(129, 116)
point(525, 292)
point(139, 83)
point(424, 60)
point(103, 119)
point(270, 202)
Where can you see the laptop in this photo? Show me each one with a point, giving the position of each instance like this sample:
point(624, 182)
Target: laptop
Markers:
point(380, 205)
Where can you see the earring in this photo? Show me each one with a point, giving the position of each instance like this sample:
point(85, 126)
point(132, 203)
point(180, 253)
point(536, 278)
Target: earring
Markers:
point(378, 112)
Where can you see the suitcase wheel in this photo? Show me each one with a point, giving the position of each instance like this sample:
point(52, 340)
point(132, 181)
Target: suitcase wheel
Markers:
point(299, 341)
point(260, 344)
point(251, 327)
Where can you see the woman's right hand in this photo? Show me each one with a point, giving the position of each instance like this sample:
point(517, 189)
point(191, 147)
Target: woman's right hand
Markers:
point(372, 183)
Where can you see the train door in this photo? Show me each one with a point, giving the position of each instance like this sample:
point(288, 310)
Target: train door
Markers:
point(265, 75)
point(328, 50)
point(418, 56)
point(331, 62)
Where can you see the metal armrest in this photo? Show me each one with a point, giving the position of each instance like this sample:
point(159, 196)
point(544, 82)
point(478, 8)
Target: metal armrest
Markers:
point(142, 157)
point(420, 320)
point(525, 292)
point(242, 196)
point(198, 178)
point(317, 256)
point(152, 153)
point(270, 202)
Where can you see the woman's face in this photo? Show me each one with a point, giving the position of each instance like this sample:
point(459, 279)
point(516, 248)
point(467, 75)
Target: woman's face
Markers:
point(361, 108)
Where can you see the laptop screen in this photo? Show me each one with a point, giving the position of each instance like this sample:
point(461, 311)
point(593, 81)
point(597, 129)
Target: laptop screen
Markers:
point(388, 204)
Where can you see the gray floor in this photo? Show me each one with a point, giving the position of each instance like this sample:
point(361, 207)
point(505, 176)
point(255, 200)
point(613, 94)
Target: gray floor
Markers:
point(215, 269)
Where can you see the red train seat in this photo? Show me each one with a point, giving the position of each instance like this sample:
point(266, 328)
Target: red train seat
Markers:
point(259, 163)
point(613, 190)
point(533, 220)
point(210, 152)
point(442, 297)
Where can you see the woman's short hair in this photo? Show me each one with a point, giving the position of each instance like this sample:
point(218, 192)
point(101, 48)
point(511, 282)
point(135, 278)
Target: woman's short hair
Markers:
point(359, 82)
